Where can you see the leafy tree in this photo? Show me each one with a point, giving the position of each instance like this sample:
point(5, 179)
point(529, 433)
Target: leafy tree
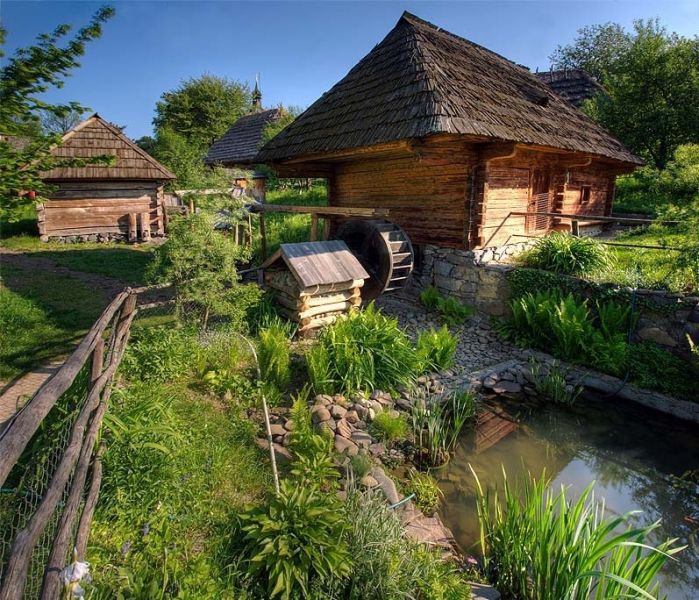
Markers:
point(273, 128)
point(24, 147)
point(651, 79)
point(200, 262)
point(202, 109)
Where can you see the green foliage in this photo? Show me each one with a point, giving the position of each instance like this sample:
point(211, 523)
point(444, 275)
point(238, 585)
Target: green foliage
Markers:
point(437, 349)
point(539, 545)
point(389, 427)
point(361, 465)
point(200, 262)
point(428, 496)
point(430, 297)
point(24, 78)
point(159, 354)
point(295, 539)
point(364, 351)
point(437, 422)
point(452, 311)
point(273, 128)
point(568, 254)
point(313, 464)
point(551, 382)
point(656, 368)
point(274, 355)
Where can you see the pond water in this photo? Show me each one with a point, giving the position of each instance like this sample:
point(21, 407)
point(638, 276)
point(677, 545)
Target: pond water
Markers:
point(637, 458)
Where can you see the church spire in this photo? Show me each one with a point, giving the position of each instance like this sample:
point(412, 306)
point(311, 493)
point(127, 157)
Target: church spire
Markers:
point(257, 95)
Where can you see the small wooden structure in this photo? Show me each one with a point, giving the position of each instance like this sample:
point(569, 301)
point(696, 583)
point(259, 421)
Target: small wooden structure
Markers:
point(122, 201)
point(314, 282)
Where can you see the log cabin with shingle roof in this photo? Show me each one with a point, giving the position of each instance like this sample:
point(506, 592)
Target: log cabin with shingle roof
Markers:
point(123, 200)
point(452, 138)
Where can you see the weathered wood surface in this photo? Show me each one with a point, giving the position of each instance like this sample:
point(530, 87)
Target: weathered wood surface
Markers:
point(325, 210)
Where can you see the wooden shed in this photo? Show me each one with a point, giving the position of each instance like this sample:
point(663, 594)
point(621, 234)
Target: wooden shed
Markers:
point(122, 201)
point(314, 282)
point(466, 148)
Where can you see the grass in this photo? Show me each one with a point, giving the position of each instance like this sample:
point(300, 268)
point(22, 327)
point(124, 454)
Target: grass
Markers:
point(42, 316)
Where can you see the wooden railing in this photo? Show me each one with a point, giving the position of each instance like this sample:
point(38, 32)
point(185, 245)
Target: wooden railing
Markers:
point(52, 510)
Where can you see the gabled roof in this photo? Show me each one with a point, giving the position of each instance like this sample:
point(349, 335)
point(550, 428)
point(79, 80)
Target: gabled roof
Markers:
point(319, 263)
point(96, 137)
point(421, 80)
point(241, 142)
point(573, 85)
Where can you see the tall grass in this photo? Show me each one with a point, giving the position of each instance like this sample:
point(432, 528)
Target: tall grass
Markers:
point(565, 253)
point(437, 348)
point(538, 545)
point(274, 354)
point(364, 351)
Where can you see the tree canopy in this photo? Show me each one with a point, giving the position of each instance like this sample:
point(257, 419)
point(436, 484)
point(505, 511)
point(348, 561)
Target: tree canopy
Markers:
point(651, 78)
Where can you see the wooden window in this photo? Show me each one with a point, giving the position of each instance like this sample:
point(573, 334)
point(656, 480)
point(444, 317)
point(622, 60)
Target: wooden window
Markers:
point(585, 192)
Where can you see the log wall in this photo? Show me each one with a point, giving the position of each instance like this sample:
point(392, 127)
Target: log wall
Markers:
point(99, 211)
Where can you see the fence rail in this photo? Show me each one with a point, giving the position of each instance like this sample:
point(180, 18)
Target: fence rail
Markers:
point(47, 452)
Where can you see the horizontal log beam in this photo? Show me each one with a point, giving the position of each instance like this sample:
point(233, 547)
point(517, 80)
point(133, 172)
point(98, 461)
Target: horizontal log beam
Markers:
point(324, 210)
point(592, 218)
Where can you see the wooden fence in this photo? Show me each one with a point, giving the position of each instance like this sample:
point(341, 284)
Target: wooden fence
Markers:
point(47, 452)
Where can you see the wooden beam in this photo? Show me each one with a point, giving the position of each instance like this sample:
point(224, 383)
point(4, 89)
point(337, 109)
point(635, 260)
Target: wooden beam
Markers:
point(322, 210)
point(314, 227)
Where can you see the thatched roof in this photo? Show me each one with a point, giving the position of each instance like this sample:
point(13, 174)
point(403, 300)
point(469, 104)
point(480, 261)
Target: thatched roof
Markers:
point(573, 85)
point(421, 80)
point(241, 142)
point(96, 137)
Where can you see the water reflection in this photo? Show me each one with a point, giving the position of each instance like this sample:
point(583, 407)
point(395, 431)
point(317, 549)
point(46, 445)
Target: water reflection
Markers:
point(637, 457)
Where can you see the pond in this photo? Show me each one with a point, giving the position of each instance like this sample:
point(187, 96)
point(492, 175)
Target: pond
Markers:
point(639, 459)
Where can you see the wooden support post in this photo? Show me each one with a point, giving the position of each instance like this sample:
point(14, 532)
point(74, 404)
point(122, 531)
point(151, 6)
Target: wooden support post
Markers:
point(326, 228)
point(97, 362)
point(575, 227)
point(314, 227)
point(191, 206)
point(132, 227)
point(145, 227)
point(263, 237)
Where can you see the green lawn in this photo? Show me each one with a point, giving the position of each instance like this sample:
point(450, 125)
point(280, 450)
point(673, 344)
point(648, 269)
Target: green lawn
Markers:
point(42, 316)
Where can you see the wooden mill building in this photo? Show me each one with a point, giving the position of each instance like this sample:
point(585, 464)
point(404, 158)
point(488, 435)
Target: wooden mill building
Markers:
point(123, 200)
point(453, 139)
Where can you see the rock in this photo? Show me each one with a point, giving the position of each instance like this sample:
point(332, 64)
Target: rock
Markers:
point(362, 411)
point(323, 399)
point(404, 404)
point(320, 414)
point(657, 335)
point(326, 427)
point(360, 425)
point(371, 415)
point(507, 387)
point(289, 425)
point(280, 453)
point(361, 438)
point(277, 429)
point(377, 449)
point(286, 440)
point(368, 481)
point(343, 428)
point(340, 399)
point(347, 446)
point(388, 487)
point(352, 417)
point(481, 591)
point(337, 411)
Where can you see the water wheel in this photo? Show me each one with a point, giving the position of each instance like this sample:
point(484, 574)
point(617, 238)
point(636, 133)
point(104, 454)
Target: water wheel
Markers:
point(383, 249)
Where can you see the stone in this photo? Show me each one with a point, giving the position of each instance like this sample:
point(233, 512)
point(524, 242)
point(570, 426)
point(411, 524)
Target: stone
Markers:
point(341, 400)
point(482, 591)
point(657, 335)
point(320, 414)
point(507, 387)
point(343, 428)
point(352, 417)
point(328, 426)
point(343, 445)
point(323, 399)
point(377, 449)
point(371, 415)
point(280, 453)
point(403, 404)
point(362, 411)
point(362, 439)
point(286, 440)
point(337, 411)
point(289, 425)
point(368, 481)
point(277, 429)
point(360, 425)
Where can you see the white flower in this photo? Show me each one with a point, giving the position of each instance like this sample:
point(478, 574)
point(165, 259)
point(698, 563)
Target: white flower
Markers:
point(72, 575)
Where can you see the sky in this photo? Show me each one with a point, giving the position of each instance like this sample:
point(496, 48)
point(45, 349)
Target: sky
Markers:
point(300, 49)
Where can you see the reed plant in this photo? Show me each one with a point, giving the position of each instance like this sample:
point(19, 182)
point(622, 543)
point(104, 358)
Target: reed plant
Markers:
point(539, 545)
point(551, 382)
point(274, 354)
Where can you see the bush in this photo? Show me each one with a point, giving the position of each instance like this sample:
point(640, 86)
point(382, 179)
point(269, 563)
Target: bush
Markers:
point(274, 356)
point(363, 351)
point(428, 496)
point(565, 253)
point(430, 297)
point(388, 427)
point(437, 349)
point(538, 545)
point(361, 465)
point(159, 354)
point(295, 539)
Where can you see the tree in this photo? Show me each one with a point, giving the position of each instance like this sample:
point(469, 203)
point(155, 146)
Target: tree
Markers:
point(25, 150)
point(201, 110)
point(60, 124)
point(651, 83)
point(274, 127)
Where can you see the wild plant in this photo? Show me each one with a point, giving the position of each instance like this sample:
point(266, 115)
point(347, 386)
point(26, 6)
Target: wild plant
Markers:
point(361, 465)
point(538, 545)
point(296, 538)
point(430, 297)
point(437, 348)
point(274, 355)
point(389, 427)
point(320, 370)
point(428, 496)
point(614, 319)
point(228, 384)
point(264, 314)
point(551, 382)
point(159, 353)
point(568, 254)
point(453, 311)
point(313, 463)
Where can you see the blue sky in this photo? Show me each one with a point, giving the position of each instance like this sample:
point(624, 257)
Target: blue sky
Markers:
point(300, 48)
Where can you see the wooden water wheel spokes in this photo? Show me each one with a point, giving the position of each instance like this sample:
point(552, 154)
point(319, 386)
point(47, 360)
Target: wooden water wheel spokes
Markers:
point(383, 249)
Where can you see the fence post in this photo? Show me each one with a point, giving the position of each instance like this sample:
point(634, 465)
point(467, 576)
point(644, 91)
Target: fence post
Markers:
point(575, 228)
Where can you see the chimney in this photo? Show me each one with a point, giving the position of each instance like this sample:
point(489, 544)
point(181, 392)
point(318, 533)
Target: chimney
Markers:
point(257, 96)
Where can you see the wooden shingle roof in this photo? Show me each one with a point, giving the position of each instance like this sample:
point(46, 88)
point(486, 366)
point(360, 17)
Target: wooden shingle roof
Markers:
point(319, 263)
point(241, 142)
point(573, 85)
point(96, 137)
point(421, 80)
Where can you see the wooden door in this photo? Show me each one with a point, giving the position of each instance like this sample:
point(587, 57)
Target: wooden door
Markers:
point(539, 201)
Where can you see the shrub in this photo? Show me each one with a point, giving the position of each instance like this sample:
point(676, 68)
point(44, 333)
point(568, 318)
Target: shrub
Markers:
point(428, 496)
point(274, 356)
point(313, 463)
point(365, 350)
point(552, 383)
point(538, 545)
point(361, 465)
point(437, 349)
point(388, 427)
point(294, 539)
point(159, 354)
point(565, 253)
point(453, 312)
point(430, 297)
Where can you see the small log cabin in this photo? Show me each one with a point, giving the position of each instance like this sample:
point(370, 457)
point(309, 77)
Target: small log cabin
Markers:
point(122, 201)
point(452, 138)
